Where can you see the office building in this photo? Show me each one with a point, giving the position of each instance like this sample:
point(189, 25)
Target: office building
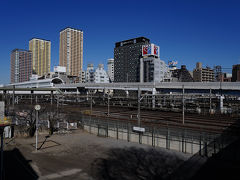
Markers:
point(21, 65)
point(41, 55)
point(201, 74)
point(127, 56)
point(110, 70)
point(236, 73)
point(152, 68)
point(71, 50)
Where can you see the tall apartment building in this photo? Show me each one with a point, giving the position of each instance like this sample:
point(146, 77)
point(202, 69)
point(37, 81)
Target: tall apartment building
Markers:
point(71, 50)
point(21, 65)
point(110, 70)
point(127, 56)
point(201, 74)
point(41, 55)
point(236, 73)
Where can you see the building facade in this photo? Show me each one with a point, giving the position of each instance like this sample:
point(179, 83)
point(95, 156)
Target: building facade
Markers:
point(89, 74)
point(21, 65)
point(71, 50)
point(82, 76)
point(182, 75)
point(127, 56)
point(201, 74)
point(236, 73)
point(110, 70)
point(41, 55)
point(152, 68)
point(100, 75)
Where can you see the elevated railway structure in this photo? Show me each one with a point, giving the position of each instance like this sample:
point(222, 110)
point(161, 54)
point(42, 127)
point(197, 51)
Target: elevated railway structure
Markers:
point(200, 97)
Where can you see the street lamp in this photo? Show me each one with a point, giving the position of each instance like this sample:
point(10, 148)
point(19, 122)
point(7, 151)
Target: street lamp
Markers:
point(37, 108)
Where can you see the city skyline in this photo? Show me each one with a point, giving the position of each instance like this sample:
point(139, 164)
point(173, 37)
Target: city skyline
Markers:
point(185, 31)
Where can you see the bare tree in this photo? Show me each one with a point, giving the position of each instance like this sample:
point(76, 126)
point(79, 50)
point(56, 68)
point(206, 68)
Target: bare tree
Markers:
point(53, 119)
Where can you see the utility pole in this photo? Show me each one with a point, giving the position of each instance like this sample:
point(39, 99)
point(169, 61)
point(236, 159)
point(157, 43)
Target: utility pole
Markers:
point(13, 100)
point(91, 101)
point(108, 104)
point(1, 132)
point(183, 108)
point(139, 96)
point(210, 99)
point(13, 103)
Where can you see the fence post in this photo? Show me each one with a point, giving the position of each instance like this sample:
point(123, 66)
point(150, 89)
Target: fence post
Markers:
point(153, 138)
point(98, 129)
point(117, 129)
point(200, 145)
point(183, 141)
point(205, 148)
point(214, 146)
point(128, 136)
point(107, 129)
point(167, 139)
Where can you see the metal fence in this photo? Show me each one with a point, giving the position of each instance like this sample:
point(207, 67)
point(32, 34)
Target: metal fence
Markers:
point(178, 139)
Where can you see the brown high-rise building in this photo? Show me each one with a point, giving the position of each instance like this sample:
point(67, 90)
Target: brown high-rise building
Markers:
point(236, 73)
point(41, 55)
point(21, 65)
point(201, 74)
point(71, 50)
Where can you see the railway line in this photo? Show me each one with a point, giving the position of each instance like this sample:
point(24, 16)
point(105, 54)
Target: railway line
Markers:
point(212, 124)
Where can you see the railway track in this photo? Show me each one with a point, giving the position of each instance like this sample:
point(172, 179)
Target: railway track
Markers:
point(213, 124)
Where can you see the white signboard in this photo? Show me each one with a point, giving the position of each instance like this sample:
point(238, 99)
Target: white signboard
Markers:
point(2, 109)
point(60, 69)
point(139, 129)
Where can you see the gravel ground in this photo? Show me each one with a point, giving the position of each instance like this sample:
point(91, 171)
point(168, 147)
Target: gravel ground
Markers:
point(80, 155)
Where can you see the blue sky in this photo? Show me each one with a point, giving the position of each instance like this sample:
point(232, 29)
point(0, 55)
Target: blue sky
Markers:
point(186, 30)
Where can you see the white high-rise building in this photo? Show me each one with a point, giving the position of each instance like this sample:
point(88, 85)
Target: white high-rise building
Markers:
point(110, 70)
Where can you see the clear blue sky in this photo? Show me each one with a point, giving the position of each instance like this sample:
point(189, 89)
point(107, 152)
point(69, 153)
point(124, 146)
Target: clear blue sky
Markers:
point(186, 30)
